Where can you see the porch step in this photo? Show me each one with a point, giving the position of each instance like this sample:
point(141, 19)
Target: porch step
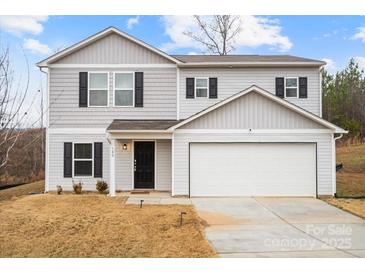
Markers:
point(140, 192)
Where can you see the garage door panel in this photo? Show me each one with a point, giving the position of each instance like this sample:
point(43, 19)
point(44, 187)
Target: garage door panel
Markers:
point(252, 169)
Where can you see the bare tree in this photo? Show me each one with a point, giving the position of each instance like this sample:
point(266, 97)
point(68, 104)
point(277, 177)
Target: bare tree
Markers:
point(12, 112)
point(217, 33)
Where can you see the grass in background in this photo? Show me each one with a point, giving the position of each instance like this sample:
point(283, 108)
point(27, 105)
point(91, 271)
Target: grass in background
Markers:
point(351, 179)
point(21, 190)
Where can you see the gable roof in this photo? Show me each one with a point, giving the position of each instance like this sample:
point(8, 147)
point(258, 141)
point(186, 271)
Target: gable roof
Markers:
point(268, 95)
point(97, 36)
point(244, 58)
point(191, 60)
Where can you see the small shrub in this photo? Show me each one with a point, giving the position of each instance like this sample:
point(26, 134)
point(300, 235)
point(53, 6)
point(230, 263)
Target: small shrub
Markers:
point(59, 190)
point(101, 186)
point(77, 187)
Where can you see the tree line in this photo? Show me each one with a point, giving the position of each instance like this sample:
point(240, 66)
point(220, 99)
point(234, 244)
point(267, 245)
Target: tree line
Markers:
point(343, 99)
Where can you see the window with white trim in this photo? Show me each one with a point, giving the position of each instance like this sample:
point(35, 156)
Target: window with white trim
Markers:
point(98, 89)
point(83, 159)
point(291, 86)
point(124, 89)
point(201, 87)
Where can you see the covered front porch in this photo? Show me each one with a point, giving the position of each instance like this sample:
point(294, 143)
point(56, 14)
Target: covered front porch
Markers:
point(140, 156)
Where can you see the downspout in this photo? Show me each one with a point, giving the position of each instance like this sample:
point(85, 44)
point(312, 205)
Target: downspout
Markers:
point(334, 162)
point(46, 166)
point(321, 68)
point(338, 137)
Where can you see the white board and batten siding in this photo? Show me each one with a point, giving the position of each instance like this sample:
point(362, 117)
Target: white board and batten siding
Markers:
point(233, 80)
point(252, 111)
point(113, 49)
point(123, 163)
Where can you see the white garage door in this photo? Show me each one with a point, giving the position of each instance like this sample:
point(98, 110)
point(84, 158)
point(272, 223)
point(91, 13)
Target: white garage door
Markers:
point(252, 169)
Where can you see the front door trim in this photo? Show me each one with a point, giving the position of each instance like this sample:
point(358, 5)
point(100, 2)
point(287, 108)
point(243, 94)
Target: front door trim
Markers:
point(155, 164)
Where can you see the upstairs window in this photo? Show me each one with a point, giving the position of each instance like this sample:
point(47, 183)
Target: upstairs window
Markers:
point(124, 89)
point(291, 87)
point(201, 87)
point(83, 160)
point(98, 89)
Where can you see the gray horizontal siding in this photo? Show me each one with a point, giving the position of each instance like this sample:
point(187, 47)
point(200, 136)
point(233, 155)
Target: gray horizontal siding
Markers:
point(181, 154)
point(56, 160)
point(252, 111)
point(123, 163)
point(159, 99)
point(231, 81)
point(163, 164)
point(113, 49)
point(123, 166)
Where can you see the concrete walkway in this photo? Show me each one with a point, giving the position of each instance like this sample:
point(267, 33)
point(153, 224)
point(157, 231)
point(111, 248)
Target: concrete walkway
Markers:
point(280, 227)
point(157, 199)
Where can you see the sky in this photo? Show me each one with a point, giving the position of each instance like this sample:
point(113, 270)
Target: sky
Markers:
point(334, 39)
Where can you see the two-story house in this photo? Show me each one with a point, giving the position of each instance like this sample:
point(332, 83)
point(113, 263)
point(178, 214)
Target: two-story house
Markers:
point(123, 111)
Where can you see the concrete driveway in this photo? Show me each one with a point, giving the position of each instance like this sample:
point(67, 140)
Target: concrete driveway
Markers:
point(280, 227)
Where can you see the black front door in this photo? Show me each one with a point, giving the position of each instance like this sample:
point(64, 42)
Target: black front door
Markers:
point(144, 165)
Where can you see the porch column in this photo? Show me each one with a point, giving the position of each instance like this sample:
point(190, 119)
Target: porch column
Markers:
point(112, 169)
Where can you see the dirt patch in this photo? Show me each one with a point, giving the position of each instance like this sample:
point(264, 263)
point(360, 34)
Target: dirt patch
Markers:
point(10, 193)
point(95, 225)
point(354, 206)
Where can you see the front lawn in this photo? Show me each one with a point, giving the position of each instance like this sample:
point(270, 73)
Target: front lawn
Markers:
point(92, 225)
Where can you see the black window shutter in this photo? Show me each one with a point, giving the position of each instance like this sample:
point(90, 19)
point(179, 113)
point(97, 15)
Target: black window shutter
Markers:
point(67, 160)
point(83, 89)
point(213, 88)
point(190, 82)
point(279, 87)
point(98, 160)
point(138, 89)
point(303, 87)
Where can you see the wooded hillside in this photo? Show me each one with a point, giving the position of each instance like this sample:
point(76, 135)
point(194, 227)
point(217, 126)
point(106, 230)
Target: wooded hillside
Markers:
point(344, 99)
point(26, 159)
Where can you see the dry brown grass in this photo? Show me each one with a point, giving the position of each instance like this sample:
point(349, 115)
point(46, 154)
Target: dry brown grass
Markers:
point(93, 225)
point(355, 206)
point(351, 180)
point(25, 189)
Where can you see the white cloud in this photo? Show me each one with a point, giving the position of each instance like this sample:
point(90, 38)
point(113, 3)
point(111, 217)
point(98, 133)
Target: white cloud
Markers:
point(360, 34)
point(330, 66)
point(175, 26)
point(255, 31)
point(361, 61)
point(131, 22)
point(36, 47)
point(22, 24)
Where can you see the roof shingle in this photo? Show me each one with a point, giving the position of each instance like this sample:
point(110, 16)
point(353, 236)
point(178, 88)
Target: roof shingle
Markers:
point(142, 124)
point(242, 58)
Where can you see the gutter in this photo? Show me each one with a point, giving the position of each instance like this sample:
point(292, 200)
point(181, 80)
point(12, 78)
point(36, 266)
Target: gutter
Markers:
point(251, 64)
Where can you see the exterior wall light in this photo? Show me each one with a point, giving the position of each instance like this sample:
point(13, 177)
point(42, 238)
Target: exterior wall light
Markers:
point(125, 146)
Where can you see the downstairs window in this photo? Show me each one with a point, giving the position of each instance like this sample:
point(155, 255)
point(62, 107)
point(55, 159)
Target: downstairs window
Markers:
point(83, 160)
